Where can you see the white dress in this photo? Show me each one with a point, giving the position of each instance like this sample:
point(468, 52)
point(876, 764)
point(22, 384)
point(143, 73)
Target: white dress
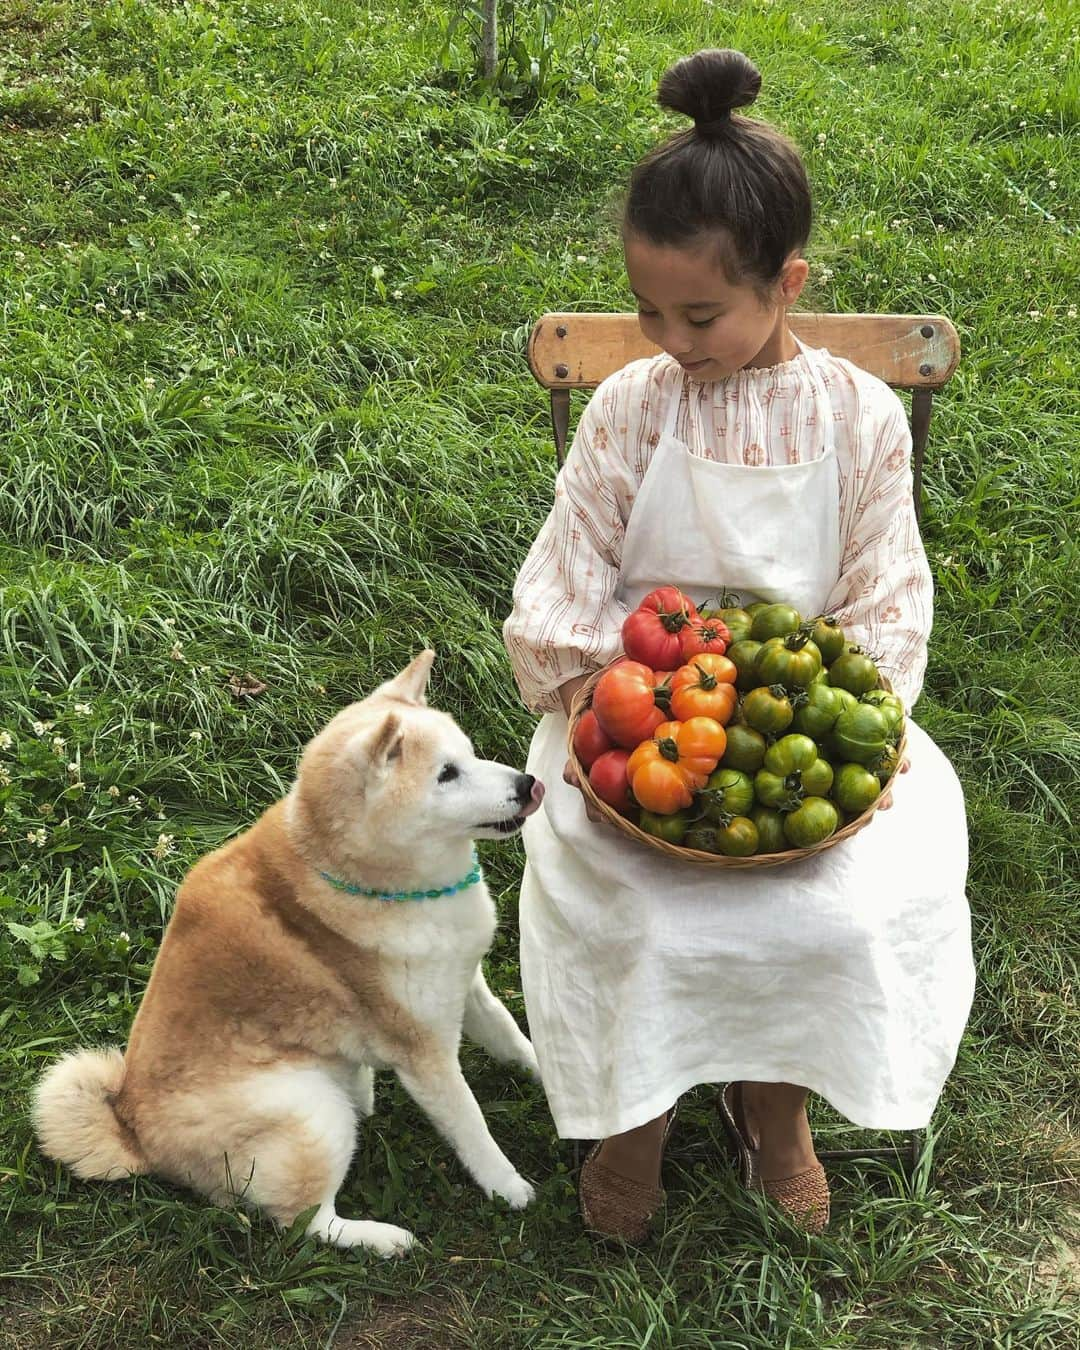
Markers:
point(850, 973)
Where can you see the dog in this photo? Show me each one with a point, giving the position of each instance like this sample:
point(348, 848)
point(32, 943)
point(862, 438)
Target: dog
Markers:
point(287, 975)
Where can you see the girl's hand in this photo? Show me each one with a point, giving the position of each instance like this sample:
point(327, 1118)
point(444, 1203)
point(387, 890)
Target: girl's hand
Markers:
point(569, 776)
point(886, 801)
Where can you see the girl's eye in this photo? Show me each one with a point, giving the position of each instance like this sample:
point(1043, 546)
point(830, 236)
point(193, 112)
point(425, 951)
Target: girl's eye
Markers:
point(703, 323)
point(647, 314)
point(448, 773)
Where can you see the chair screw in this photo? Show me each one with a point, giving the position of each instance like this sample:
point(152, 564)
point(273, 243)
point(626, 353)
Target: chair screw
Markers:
point(927, 330)
point(561, 372)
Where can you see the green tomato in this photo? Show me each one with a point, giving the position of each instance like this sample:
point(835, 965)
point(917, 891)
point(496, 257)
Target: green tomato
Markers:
point(738, 838)
point(672, 828)
point(779, 792)
point(854, 671)
point(702, 836)
point(828, 637)
point(790, 753)
point(855, 788)
point(768, 709)
point(811, 822)
point(774, 621)
point(755, 609)
point(770, 828)
point(860, 734)
point(728, 792)
point(891, 706)
point(737, 621)
point(847, 700)
point(886, 766)
point(745, 748)
point(817, 778)
point(817, 716)
point(744, 655)
point(792, 661)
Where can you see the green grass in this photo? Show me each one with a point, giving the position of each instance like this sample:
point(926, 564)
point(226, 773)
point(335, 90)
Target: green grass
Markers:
point(267, 273)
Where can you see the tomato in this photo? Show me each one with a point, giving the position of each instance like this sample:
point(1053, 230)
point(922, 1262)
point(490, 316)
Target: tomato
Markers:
point(745, 749)
point(770, 828)
point(590, 739)
point(891, 706)
point(792, 661)
point(790, 753)
point(738, 838)
point(774, 621)
point(704, 635)
point(609, 780)
point(768, 708)
point(811, 822)
point(778, 792)
point(887, 764)
point(737, 621)
point(755, 609)
point(624, 701)
point(828, 637)
point(704, 687)
point(855, 788)
point(651, 633)
point(743, 655)
point(818, 714)
point(854, 671)
point(729, 792)
point(817, 778)
point(681, 755)
point(860, 734)
point(671, 828)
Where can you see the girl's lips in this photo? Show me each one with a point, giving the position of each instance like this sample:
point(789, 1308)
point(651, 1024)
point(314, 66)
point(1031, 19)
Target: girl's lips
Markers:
point(693, 365)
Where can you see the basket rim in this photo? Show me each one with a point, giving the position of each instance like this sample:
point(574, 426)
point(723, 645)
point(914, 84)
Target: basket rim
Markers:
point(580, 704)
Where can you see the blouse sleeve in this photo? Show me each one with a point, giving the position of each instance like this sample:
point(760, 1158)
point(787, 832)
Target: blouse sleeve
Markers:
point(566, 620)
point(884, 597)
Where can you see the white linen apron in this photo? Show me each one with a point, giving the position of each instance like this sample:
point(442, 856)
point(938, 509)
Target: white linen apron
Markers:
point(849, 973)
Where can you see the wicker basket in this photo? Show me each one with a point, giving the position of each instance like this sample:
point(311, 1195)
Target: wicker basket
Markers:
point(583, 701)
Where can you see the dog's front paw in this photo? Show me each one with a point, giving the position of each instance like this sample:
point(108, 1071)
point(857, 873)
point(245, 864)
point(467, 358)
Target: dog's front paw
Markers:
point(515, 1190)
point(530, 1064)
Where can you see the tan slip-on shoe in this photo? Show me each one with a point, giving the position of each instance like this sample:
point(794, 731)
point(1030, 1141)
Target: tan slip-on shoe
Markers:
point(618, 1207)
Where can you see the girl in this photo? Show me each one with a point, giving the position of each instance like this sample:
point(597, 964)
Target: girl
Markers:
point(736, 459)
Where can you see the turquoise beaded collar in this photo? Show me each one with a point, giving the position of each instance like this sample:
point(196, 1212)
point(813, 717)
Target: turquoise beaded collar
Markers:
point(471, 877)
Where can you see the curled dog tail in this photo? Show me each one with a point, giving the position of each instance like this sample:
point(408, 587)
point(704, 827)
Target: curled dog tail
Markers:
point(75, 1120)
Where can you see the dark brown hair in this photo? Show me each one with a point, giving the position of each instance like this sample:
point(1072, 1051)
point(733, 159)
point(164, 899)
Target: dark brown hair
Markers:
point(731, 179)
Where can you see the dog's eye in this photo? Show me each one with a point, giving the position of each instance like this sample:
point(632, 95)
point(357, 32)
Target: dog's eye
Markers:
point(448, 773)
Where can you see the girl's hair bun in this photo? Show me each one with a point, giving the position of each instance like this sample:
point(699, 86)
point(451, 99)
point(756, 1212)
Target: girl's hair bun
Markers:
point(708, 86)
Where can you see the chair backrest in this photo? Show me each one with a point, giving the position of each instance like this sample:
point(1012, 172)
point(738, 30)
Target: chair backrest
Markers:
point(918, 352)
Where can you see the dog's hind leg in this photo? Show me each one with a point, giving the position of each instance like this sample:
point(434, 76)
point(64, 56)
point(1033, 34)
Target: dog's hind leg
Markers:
point(491, 1025)
point(363, 1090)
point(301, 1156)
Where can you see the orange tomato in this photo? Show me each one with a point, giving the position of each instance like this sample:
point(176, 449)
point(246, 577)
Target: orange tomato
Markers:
point(705, 687)
point(664, 771)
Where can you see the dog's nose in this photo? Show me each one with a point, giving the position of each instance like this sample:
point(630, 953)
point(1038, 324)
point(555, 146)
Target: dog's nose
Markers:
point(523, 785)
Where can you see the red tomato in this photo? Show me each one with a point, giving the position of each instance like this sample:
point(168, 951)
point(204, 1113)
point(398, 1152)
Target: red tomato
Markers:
point(651, 634)
point(590, 739)
point(624, 702)
point(609, 780)
point(704, 635)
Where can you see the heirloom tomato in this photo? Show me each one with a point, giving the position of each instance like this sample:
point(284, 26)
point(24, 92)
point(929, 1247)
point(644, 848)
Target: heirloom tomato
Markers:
point(729, 792)
point(860, 735)
point(817, 716)
point(670, 828)
point(704, 687)
point(737, 621)
point(792, 661)
point(891, 706)
point(745, 748)
point(590, 739)
point(609, 781)
point(778, 792)
point(665, 770)
point(738, 838)
point(790, 753)
point(812, 822)
point(774, 621)
point(770, 828)
point(624, 702)
point(768, 709)
point(828, 637)
point(854, 671)
point(743, 656)
point(855, 788)
point(651, 633)
point(704, 635)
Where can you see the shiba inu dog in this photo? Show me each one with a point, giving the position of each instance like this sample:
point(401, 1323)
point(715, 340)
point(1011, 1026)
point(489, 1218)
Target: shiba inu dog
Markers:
point(341, 934)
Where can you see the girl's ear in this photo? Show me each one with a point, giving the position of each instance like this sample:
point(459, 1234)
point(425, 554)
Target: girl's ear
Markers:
point(793, 279)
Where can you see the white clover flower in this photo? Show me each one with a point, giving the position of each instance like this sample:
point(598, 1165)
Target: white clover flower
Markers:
point(5, 778)
point(78, 923)
point(195, 736)
point(113, 790)
point(123, 937)
point(100, 307)
point(177, 652)
point(149, 381)
point(58, 746)
point(6, 740)
point(83, 709)
point(166, 844)
point(1034, 313)
point(1070, 313)
point(397, 294)
point(73, 768)
point(37, 837)
point(169, 623)
point(133, 800)
point(40, 728)
point(821, 138)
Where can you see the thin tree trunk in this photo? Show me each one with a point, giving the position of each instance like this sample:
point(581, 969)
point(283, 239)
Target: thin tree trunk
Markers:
point(490, 37)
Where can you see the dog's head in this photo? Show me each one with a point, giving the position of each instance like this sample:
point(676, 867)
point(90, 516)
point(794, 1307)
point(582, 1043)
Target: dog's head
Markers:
point(390, 772)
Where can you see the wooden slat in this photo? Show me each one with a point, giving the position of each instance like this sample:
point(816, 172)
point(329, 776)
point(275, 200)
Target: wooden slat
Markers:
point(907, 351)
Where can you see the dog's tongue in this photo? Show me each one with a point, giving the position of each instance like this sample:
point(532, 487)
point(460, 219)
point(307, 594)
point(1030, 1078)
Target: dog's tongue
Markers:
point(535, 798)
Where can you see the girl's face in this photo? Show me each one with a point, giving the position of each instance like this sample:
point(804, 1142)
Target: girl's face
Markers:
point(687, 306)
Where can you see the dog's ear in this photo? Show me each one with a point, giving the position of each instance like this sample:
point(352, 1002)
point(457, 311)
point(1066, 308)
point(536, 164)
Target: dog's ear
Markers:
point(377, 748)
point(410, 685)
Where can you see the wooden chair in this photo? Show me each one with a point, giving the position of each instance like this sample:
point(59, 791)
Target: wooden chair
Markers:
point(907, 351)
